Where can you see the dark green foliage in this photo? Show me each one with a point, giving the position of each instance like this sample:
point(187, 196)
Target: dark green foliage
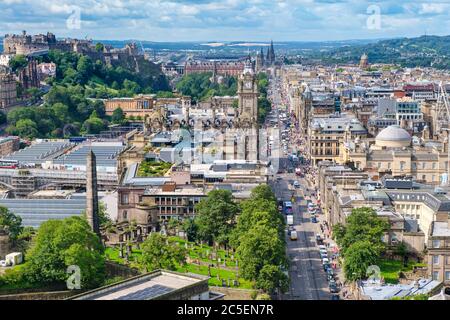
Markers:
point(18, 62)
point(200, 87)
point(425, 51)
point(161, 252)
point(11, 222)
point(61, 243)
point(264, 105)
point(216, 217)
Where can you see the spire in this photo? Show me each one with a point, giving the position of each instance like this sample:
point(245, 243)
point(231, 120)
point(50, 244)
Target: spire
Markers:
point(272, 52)
point(92, 193)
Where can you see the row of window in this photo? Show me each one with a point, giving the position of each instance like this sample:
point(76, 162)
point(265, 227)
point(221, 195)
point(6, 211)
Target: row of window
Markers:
point(437, 259)
point(446, 276)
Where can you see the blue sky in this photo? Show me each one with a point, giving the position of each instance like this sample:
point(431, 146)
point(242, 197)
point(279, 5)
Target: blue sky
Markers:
point(227, 20)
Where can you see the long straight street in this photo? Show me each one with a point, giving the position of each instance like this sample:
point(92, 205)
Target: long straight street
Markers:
point(308, 279)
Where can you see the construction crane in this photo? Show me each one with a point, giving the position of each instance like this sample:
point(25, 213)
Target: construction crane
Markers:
point(441, 120)
point(441, 116)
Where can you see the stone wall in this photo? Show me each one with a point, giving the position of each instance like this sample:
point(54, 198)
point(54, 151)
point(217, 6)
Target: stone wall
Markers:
point(233, 294)
point(119, 270)
point(55, 295)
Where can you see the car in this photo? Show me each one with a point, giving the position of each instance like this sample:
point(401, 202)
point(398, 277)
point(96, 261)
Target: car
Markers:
point(293, 236)
point(333, 288)
point(3, 263)
point(335, 297)
point(313, 220)
point(318, 237)
point(323, 252)
point(325, 261)
point(296, 184)
point(326, 267)
point(330, 277)
point(330, 271)
point(323, 255)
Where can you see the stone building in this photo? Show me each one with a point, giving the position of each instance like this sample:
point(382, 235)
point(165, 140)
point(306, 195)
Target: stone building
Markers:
point(29, 76)
point(8, 88)
point(364, 61)
point(394, 153)
point(8, 145)
point(328, 133)
point(226, 68)
point(439, 249)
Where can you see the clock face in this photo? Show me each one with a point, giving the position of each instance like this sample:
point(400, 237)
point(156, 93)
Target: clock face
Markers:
point(248, 85)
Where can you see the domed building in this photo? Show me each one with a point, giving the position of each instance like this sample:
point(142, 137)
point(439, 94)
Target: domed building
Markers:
point(393, 153)
point(393, 137)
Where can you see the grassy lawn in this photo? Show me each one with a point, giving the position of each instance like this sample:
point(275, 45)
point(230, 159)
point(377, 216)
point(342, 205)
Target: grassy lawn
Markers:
point(194, 252)
point(391, 268)
point(153, 169)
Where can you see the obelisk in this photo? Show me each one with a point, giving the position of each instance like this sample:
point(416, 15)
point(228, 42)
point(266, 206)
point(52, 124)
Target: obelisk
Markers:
point(92, 193)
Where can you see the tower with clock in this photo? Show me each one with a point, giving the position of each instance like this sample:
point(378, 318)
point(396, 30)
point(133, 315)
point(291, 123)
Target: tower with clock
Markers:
point(247, 114)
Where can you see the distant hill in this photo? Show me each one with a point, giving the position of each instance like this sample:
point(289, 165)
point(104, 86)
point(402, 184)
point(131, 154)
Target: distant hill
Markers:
point(425, 51)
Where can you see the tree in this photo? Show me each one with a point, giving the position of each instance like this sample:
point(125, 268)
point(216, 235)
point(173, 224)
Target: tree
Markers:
point(2, 118)
point(263, 191)
point(270, 278)
point(362, 224)
point(118, 116)
point(160, 252)
point(11, 222)
point(402, 251)
point(260, 246)
point(27, 128)
point(216, 216)
point(191, 229)
point(18, 62)
point(359, 256)
point(99, 47)
point(261, 207)
point(61, 243)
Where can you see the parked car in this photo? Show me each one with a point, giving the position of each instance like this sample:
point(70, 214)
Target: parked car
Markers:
point(335, 297)
point(313, 220)
point(318, 237)
point(333, 287)
point(330, 272)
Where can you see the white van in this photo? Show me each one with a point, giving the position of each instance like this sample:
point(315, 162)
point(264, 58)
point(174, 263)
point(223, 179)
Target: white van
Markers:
point(293, 235)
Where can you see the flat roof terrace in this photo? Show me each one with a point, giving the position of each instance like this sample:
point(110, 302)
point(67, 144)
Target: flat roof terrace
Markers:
point(155, 285)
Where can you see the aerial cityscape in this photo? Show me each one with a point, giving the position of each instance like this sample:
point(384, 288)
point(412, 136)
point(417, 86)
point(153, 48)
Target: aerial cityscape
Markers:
point(163, 151)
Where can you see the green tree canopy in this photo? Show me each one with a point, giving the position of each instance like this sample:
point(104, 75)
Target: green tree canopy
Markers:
point(216, 216)
point(18, 62)
point(161, 252)
point(118, 116)
point(61, 243)
point(359, 256)
point(362, 224)
point(11, 222)
point(272, 277)
point(260, 246)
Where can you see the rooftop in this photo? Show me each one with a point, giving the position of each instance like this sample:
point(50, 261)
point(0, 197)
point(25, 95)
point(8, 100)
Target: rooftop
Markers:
point(389, 291)
point(155, 285)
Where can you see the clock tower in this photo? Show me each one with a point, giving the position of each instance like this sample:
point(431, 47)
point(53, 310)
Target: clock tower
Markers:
point(248, 97)
point(247, 114)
